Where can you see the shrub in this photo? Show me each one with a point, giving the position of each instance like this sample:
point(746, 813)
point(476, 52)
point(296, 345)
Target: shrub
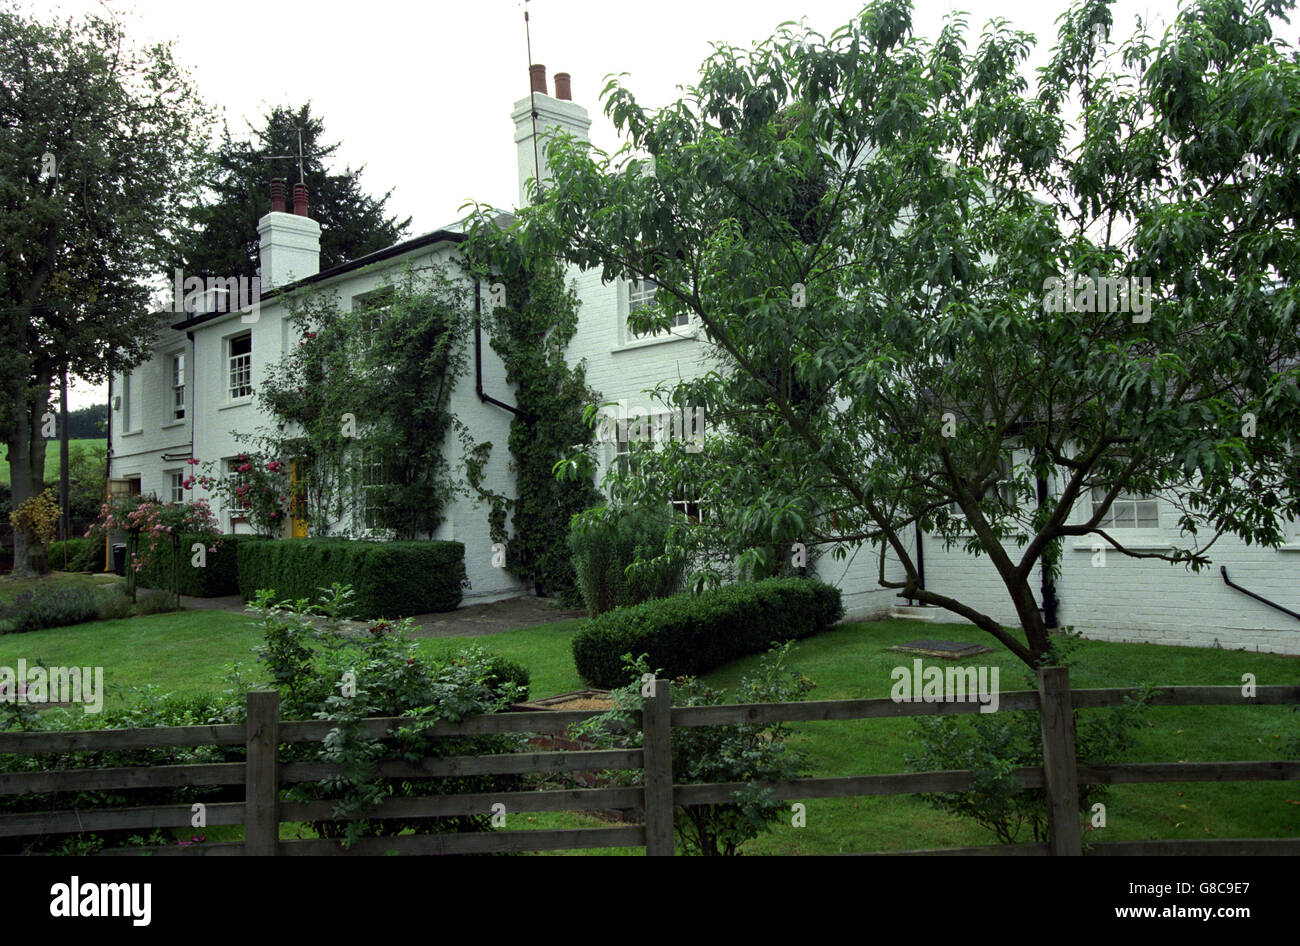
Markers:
point(390, 579)
point(745, 753)
point(83, 555)
point(994, 745)
point(322, 673)
point(621, 559)
point(218, 576)
point(502, 671)
point(49, 607)
point(693, 634)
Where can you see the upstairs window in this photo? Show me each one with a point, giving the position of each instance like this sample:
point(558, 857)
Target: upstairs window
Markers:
point(241, 366)
point(178, 387)
point(1128, 511)
point(641, 295)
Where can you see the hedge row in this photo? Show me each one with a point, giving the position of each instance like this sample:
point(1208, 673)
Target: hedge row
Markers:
point(83, 555)
point(389, 579)
point(218, 576)
point(692, 634)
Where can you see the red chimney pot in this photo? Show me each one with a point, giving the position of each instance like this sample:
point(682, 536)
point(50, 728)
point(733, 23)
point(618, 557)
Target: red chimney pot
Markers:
point(277, 195)
point(562, 90)
point(300, 199)
point(537, 74)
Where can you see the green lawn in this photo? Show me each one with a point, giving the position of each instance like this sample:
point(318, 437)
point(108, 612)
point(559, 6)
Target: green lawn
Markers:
point(191, 651)
point(52, 460)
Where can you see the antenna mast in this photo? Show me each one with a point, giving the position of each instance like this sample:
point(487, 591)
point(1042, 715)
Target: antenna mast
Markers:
point(532, 101)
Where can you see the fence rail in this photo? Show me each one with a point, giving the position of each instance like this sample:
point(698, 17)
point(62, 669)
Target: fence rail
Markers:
point(262, 812)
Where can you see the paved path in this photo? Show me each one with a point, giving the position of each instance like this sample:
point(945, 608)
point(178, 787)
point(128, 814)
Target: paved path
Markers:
point(474, 620)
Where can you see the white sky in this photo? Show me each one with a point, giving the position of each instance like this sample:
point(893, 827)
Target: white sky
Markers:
point(421, 93)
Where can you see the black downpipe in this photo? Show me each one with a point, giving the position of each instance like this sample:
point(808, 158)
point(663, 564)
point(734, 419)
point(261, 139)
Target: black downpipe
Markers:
point(1049, 598)
point(920, 561)
point(1223, 570)
point(478, 353)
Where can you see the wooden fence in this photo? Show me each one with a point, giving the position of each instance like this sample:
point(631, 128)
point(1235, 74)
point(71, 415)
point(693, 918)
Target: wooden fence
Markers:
point(263, 776)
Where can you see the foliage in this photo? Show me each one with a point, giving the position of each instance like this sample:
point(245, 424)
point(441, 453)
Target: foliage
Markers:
point(324, 674)
point(77, 555)
point(362, 404)
point(258, 489)
point(388, 579)
point(747, 753)
point(994, 745)
point(36, 519)
point(218, 576)
point(692, 634)
point(95, 189)
point(87, 463)
point(224, 227)
point(620, 559)
point(52, 607)
point(530, 330)
point(158, 524)
point(866, 227)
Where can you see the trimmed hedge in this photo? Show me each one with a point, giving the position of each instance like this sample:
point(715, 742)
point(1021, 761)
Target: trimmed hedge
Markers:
point(389, 579)
point(84, 555)
point(218, 577)
point(688, 635)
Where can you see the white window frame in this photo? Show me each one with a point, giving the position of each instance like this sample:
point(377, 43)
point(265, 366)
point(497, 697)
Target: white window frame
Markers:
point(177, 367)
point(374, 307)
point(176, 490)
point(634, 295)
point(1130, 503)
point(239, 367)
point(126, 401)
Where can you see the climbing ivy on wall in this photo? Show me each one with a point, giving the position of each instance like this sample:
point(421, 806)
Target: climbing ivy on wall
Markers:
point(529, 317)
point(362, 403)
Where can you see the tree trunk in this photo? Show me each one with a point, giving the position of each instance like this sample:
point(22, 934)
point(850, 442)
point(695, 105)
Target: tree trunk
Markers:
point(27, 477)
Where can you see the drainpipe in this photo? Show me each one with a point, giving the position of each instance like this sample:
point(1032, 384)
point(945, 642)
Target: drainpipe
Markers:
point(478, 353)
point(1049, 599)
point(108, 467)
point(920, 560)
point(192, 382)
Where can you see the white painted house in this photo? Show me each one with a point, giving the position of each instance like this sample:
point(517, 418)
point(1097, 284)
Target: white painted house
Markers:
point(200, 385)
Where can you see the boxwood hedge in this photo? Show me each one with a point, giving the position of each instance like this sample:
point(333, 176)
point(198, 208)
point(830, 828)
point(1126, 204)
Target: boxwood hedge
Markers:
point(83, 555)
point(693, 634)
point(217, 577)
point(389, 579)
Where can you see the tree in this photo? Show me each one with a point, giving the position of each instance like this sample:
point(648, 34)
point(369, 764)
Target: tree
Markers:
point(903, 347)
point(225, 225)
point(91, 184)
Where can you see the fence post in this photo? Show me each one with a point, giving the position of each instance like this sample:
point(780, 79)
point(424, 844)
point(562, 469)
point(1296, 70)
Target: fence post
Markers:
point(262, 775)
point(1060, 771)
point(656, 727)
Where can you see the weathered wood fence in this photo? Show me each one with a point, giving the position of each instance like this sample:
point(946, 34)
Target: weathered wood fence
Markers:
point(262, 811)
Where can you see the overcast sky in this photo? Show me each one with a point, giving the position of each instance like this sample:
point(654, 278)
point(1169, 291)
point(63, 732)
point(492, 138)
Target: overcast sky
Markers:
point(421, 93)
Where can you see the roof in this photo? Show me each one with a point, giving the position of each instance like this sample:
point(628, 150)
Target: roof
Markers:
point(452, 233)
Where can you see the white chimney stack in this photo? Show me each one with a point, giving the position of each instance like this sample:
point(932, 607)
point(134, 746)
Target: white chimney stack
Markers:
point(554, 113)
point(289, 243)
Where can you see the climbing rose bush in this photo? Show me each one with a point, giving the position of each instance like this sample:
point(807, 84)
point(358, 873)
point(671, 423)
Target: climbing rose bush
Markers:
point(259, 489)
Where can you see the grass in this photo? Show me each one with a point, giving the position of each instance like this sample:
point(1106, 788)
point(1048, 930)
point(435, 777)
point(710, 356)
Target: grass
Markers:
point(191, 651)
point(53, 464)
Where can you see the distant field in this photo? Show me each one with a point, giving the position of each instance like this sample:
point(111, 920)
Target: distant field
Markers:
point(51, 458)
